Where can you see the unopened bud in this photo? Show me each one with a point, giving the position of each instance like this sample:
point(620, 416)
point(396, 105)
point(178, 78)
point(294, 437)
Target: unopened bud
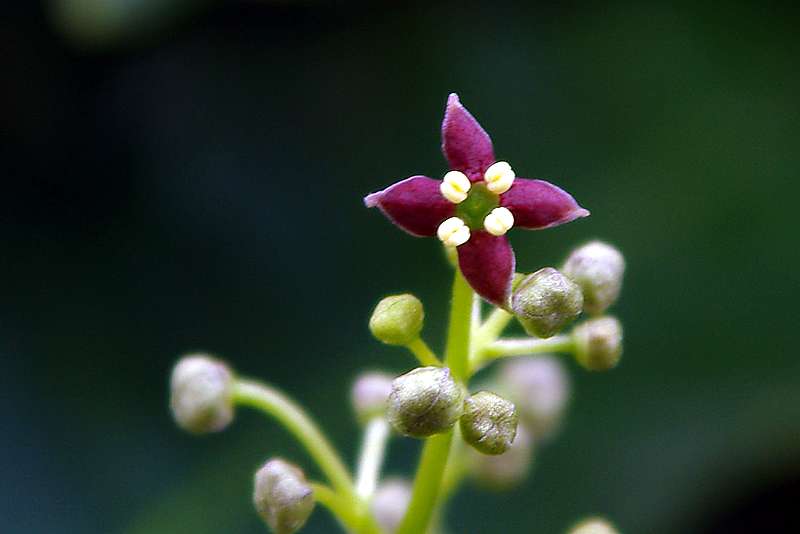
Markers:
point(598, 269)
point(506, 470)
point(201, 394)
point(390, 502)
point(594, 525)
point(425, 401)
point(397, 320)
point(539, 387)
point(370, 395)
point(546, 301)
point(282, 496)
point(489, 422)
point(598, 343)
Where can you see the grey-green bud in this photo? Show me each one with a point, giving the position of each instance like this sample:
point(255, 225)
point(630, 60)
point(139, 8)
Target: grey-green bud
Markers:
point(201, 394)
point(598, 343)
point(489, 422)
point(506, 470)
point(425, 401)
point(540, 389)
point(397, 320)
point(546, 301)
point(594, 525)
point(370, 395)
point(390, 502)
point(282, 496)
point(598, 269)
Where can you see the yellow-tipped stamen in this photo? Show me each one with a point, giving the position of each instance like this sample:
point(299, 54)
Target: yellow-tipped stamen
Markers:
point(499, 221)
point(455, 186)
point(453, 232)
point(499, 177)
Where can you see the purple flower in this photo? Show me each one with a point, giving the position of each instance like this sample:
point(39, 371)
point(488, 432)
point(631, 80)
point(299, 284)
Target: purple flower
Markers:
point(475, 204)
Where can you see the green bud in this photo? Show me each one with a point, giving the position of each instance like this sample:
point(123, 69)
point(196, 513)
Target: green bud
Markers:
point(598, 343)
point(506, 470)
point(424, 402)
point(598, 269)
point(397, 320)
point(282, 496)
point(546, 301)
point(540, 390)
point(370, 394)
point(390, 502)
point(489, 423)
point(594, 525)
point(201, 394)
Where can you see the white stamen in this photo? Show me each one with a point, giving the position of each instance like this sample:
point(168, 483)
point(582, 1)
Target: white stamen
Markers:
point(499, 177)
point(499, 221)
point(454, 186)
point(453, 232)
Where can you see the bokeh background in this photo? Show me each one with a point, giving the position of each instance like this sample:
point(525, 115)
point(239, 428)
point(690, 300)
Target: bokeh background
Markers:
point(181, 175)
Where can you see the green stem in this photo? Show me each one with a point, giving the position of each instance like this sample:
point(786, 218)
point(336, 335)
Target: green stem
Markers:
point(426, 484)
point(423, 353)
point(522, 347)
point(432, 464)
point(459, 331)
point(290, 415)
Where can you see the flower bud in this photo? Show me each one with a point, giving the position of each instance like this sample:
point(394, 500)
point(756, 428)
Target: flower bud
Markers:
point(282, 496)
point(598, 343)
point(425, 401)
point(594, 525)
point(370, 394)
point(397, 320)
point(201, 394)
point(390, 502)
point(506, 470)
point(539, 388)
point(489, 422)
point(546, 301)
point(597, 268)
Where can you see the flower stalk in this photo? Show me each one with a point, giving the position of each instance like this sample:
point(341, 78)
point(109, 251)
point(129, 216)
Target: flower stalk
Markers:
point(470, 210)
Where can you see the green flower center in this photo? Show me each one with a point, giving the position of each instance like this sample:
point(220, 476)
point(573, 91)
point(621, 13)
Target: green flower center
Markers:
point(478, 204)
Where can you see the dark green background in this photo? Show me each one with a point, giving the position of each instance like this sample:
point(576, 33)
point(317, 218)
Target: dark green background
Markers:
point(191, 178)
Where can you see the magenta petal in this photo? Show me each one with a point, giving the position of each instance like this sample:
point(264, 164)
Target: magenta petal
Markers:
point(487, 262)
point(538, 204)
point(465, 144)
point(415, 204)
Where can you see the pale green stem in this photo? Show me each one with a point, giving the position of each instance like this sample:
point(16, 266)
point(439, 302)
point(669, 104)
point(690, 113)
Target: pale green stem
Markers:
point(371, 458)
point(423, 352)
point(522, 347)
point(340, 507)
point(491, 329)
point(432, 464)
point(294, 418)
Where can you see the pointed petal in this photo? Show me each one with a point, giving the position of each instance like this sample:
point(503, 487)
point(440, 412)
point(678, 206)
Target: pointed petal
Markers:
point(465, 144)
point(537, 204)
point(415, 204)
point(487, 262)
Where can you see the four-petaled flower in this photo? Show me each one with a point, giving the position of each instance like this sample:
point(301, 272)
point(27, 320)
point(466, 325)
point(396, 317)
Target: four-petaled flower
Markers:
point(475, 204)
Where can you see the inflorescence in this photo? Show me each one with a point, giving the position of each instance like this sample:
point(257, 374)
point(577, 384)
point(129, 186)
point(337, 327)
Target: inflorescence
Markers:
point(486, 433)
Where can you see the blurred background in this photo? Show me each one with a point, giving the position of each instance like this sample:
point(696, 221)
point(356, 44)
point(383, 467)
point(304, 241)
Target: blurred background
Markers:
point(181, 175)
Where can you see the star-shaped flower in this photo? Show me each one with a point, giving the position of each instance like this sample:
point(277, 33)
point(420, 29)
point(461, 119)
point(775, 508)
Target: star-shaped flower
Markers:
point(475, 204)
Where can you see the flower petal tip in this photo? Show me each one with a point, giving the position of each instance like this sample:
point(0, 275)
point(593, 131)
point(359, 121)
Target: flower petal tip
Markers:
point(373, 199)
point(580, 213)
